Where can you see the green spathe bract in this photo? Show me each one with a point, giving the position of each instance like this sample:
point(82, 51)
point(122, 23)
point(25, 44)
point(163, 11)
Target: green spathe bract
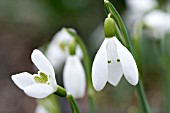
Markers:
point(109, 27)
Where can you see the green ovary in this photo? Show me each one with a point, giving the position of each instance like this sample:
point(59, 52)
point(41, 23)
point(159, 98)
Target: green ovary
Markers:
point(43, 78)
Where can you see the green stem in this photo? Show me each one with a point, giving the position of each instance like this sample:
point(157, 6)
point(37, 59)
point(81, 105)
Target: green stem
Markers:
point(142, 97)
point(91, 104)
point(111, 9)
point(87, 67)
point(73, 104)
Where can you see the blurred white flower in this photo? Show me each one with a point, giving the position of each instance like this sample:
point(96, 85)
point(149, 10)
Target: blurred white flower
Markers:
point(111, 62)
point(74, 77)
point(140, 6)
point(58, 49)
point(137, 9)
point(158, 22)
point(41, 109)
point(37, 85)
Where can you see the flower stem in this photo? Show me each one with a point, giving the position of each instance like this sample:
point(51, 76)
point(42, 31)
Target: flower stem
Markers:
point(87, 66)
point(142, 97)
point(111, 9)
point(73, 104)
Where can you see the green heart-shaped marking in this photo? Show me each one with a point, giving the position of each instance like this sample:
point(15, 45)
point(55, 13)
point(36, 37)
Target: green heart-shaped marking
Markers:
point(43, 78)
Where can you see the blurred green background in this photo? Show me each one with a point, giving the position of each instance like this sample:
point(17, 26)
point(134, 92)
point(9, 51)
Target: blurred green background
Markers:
point(29, 24)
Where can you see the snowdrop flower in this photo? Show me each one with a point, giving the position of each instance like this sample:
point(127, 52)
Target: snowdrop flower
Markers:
point(74, 74)
point(158, 22)
point(112, 61)
point(38, 85)
point(141, 6)
point(58, 49)
point(137, 9)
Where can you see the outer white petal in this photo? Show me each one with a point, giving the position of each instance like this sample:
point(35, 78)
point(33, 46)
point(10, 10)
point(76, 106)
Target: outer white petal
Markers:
point(63, 36)
point(158, 20)
point(114, 67)
point(141, 5)
point(44, 65)
point(79, 52)
point(128, 63)
point(56, 56)
point(74, 77)
point(23, 80)
point(100, 68)
point(38, 90)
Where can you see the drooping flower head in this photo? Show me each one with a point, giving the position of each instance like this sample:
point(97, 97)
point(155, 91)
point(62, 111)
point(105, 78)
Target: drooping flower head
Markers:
point(74, 74)
point(113, 60)
point(136, 9)
point(38, 85)
point(58, 49)
point(158, 23)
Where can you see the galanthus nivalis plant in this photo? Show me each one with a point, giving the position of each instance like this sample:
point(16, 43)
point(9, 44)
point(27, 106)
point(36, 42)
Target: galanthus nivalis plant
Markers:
point(58, 49)
point(113, 60)
point(74, 74)
point(38, 85)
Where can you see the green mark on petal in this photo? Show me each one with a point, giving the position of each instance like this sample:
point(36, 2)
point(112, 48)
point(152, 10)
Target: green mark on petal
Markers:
point(62, 46)
point(43, 78)
point(109, 61)
point(118, 60)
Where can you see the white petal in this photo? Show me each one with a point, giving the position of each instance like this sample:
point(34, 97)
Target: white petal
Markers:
point(100, 68)
point(128, 63)
point(74, 77)
point(62, 36)
point(22, 80)
point(38, 90)
point(44, 65)
point(56, 56)
point(141, 5)
point(79, 52)
point(114, 67)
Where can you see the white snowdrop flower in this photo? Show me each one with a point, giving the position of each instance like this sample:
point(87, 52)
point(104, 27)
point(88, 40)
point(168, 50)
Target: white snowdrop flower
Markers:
point(57, 51)
point(37, 85)
point(158, 22)
point(137, 9)
point(41, 109)
point(141, 6)
point(112, 61)
point(74, 76)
